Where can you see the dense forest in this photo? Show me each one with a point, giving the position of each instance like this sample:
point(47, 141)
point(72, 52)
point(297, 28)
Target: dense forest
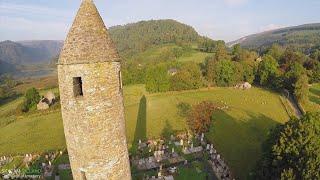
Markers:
point(137, 37)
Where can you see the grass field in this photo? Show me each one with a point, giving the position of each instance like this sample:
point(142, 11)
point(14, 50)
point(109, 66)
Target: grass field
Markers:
point(237, 132)
point(314, 99)
point(158, 53)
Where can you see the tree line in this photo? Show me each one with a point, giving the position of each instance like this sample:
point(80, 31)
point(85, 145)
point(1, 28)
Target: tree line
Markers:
point(277, 68)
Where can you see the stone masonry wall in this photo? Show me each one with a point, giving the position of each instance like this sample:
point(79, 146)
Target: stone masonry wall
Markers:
point(94, 123)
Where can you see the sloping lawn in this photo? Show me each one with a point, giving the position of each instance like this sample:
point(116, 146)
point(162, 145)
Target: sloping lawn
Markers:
point(314, 98)
point(236, 132)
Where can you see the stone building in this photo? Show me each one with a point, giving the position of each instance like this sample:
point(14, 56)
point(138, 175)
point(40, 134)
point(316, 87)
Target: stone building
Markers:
point(91, 100)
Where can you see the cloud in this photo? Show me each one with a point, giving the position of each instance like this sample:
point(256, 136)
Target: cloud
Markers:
point(18, 28)
point(235, 2)
point(31, 21)
point(22, 10)
point(270, 27)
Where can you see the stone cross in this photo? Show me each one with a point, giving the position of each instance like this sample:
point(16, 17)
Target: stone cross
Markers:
point(181, 142)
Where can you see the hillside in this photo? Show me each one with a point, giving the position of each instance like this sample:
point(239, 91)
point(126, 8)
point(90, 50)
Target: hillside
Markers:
point(133, 39)
point(304, 37)
point(6, 67)
point(138, 37)
point(28, 52)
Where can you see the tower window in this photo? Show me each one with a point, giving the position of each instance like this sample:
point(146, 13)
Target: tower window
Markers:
point(83, 175)
point(120, 80)
point(77, 87)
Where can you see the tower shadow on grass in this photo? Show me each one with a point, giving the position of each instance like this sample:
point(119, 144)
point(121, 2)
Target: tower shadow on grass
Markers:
point(240, 141)
point(141, 126)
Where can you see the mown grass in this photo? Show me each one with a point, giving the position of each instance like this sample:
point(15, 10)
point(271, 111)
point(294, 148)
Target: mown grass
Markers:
point(159, 53)
point(314, 98)
point(236, 132)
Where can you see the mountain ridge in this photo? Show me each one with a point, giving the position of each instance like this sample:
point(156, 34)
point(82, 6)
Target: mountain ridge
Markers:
point(304, 37)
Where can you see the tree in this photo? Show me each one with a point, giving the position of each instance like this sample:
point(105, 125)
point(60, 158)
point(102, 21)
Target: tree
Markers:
point(32, 97)
point(295, 70)
point(313, 67)
point(244, 72)
point(291, 56)
point(157, 79)
point(225, 73)
point(294, 152)
point(276, 52)
point(221, 52)
point(199, 118)
point(188, 76)
point(301, 88)
point(316, 55)
point(237, 52)
point(267, 71)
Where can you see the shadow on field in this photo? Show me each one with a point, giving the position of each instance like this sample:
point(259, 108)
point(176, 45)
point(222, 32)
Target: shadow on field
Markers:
point(240, 140)
point(141, 126)
point(3, 101)
point(315, 91)
point(314, 99)
point(167, 131)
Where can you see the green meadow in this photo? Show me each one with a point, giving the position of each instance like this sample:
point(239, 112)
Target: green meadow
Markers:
point(314, 99)
point(237, 132)
point(163, 53)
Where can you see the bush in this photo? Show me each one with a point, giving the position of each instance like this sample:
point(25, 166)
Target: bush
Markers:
point(32, 97)
point(183, 109)
point(199, 118)
point(188, 77)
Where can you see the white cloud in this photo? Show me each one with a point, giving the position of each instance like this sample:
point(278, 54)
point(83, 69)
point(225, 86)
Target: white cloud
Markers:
point(25, 9)
point(270, 27)
point(12, 28)
point(235, 2)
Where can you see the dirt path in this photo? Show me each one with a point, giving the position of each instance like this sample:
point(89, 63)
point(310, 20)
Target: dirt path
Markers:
point(294, 105)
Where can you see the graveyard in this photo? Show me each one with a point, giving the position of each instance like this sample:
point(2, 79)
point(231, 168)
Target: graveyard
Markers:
point(179, 157)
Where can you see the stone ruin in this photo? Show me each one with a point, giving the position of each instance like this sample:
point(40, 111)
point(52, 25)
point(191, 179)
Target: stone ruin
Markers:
point(46, 101)
point(243, 86)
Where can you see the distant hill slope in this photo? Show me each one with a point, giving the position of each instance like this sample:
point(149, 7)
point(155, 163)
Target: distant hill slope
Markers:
point(29, 52)
point(304, 37)
point(6, 67)
point(138, 37)
point(134, 38)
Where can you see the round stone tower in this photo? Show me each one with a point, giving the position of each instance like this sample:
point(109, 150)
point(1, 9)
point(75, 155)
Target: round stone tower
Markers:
point(91, 100)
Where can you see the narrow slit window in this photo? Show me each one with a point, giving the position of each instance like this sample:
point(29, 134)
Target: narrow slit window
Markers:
point(120, 80)
point(83, 175)
point(77, 86)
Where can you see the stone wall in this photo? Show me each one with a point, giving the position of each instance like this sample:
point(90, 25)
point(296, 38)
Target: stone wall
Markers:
point(94, 123)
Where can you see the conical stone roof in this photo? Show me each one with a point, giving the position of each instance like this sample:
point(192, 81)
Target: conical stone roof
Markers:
point(88, 40)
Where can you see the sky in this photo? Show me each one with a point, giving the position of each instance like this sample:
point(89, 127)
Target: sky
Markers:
point(218, 19)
